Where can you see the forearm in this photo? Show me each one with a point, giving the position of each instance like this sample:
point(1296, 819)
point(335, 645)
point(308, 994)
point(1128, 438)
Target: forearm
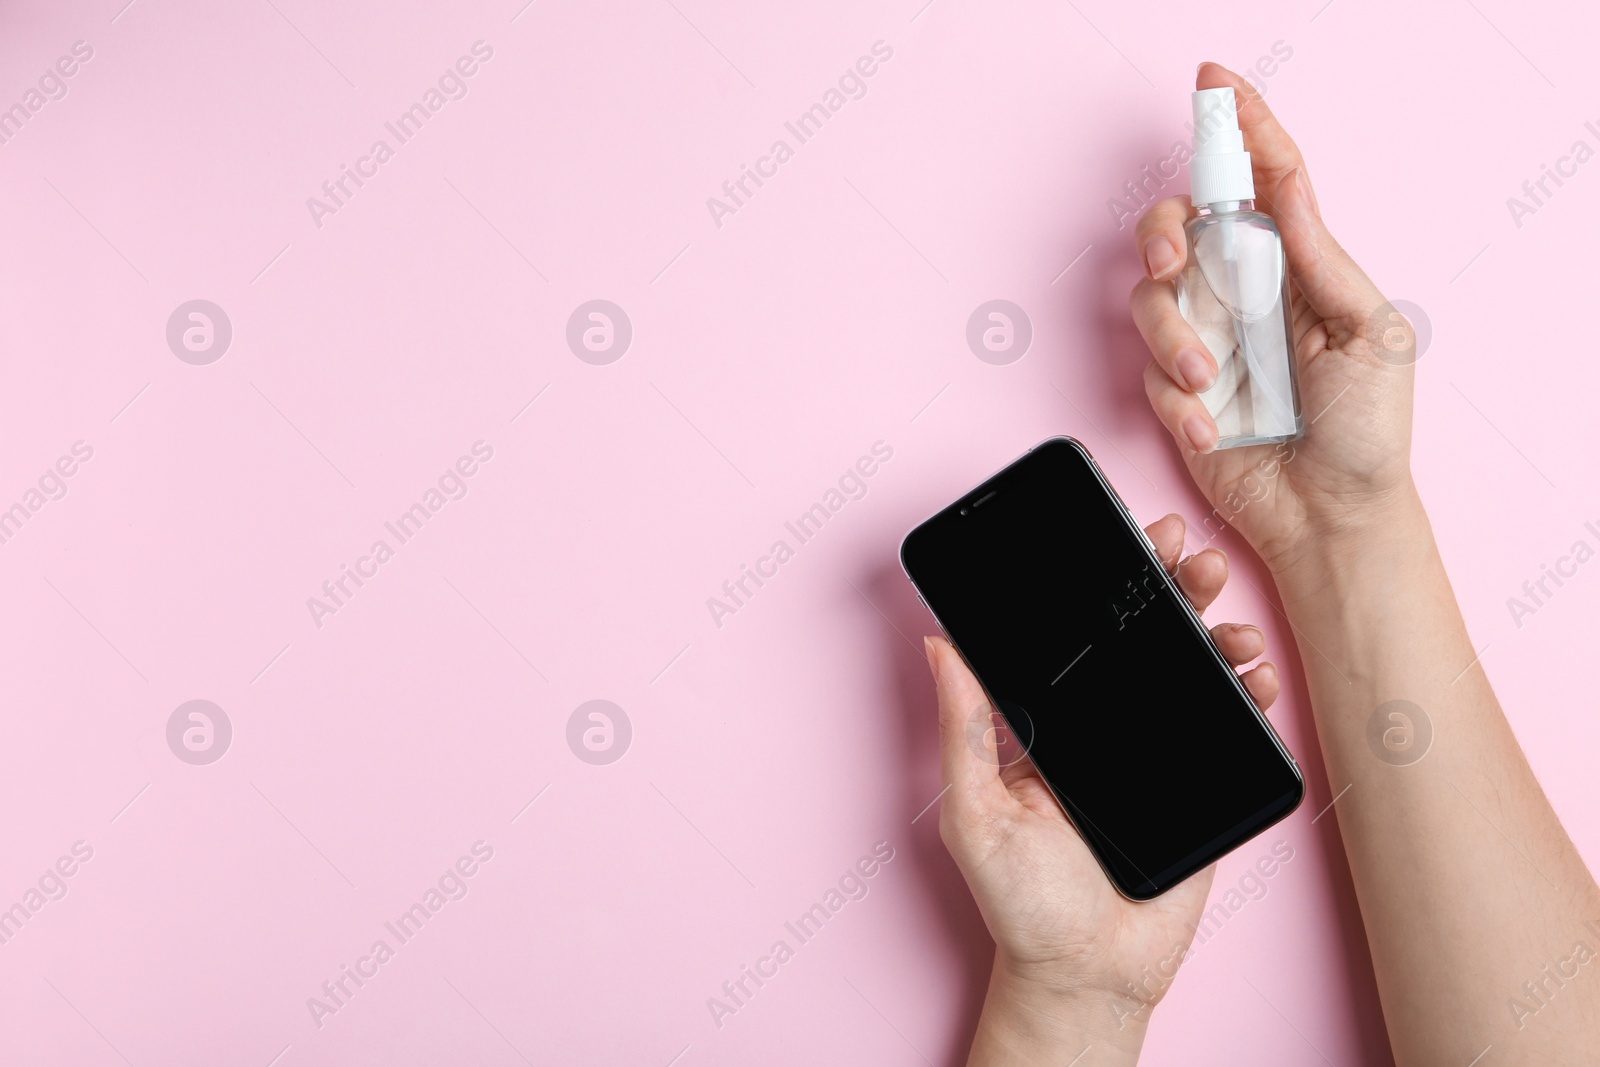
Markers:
point(1468, 884)
point(1025, 1026)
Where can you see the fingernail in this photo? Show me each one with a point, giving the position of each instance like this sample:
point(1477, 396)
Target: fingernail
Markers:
point(1160, 258)
point(1196, 370)
point(928, 649)
point(1202, 437)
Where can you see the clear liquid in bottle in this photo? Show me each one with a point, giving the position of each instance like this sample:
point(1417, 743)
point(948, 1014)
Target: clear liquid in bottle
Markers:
point(1234, 288)
point(1234, 291)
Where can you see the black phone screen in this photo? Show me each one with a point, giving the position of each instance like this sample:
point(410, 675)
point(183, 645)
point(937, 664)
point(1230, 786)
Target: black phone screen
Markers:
point(1054, 598)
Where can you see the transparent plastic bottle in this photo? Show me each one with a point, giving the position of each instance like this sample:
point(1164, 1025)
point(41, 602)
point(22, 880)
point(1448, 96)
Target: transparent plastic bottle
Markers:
point(1234, 291)
point(1234, 288)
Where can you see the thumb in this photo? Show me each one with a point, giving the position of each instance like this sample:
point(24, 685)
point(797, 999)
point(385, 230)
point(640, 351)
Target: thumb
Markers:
point(1336, 288)
point(967, 750)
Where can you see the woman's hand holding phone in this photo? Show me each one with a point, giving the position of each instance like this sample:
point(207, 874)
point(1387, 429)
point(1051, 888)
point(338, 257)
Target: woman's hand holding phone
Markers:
point(1075, 962)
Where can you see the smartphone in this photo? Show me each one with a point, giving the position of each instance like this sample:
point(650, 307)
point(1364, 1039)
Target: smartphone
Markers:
point(1109, 681)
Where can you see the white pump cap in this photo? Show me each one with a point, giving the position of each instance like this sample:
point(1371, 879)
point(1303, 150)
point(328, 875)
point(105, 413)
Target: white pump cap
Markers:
point(1220, 170)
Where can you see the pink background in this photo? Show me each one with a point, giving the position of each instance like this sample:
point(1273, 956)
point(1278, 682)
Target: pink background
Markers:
point(768, 355)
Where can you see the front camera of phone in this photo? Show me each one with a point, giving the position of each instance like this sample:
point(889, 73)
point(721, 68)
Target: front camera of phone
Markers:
point(965, 510)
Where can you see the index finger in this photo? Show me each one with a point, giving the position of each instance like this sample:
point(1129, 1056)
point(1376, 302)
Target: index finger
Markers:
point(1163, 223)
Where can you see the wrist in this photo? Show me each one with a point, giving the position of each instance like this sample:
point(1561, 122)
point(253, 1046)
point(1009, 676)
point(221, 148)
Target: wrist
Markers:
point(1387, 532)
point(1026, 1021)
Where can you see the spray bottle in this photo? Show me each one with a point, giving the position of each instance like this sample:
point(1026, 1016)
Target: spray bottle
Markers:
point(1234, 288)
